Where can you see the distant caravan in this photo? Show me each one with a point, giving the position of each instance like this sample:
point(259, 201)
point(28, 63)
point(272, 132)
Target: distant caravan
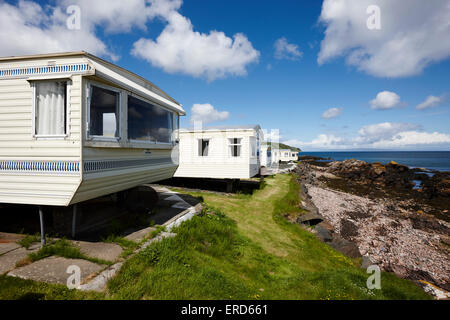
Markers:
point(74, 127)
point(220, 152)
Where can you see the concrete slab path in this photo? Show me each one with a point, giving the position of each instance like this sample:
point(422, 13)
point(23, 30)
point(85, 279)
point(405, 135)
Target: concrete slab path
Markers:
point(54, 270)
point(104, 251)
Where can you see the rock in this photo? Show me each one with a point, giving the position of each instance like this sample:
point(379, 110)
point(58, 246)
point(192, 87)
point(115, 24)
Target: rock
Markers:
point(348, 229)
point(366, 262)
point(323, 233)
point(345, 247)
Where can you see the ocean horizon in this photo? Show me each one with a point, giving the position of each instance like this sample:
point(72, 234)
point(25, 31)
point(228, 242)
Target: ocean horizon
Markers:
point(432, 160)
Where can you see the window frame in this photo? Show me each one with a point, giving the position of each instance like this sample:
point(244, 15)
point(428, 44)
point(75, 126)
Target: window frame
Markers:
point(90, 137)
point(36, 136)
point(150, 143)
point(233, 145)
point(201, 148)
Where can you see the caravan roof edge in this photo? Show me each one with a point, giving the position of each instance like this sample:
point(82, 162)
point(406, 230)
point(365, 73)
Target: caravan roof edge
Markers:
point(87, 55)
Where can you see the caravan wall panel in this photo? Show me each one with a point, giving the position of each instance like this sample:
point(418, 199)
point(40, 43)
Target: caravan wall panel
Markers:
point(36, 171)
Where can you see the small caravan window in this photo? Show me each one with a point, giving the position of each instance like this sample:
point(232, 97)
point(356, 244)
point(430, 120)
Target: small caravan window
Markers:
point(203, 147)
point(253, 145)
point(104, 114)
point(235, 147)
point(50, 109)
point(148, 122)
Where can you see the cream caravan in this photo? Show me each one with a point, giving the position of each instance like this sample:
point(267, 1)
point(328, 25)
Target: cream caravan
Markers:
point(74, 127)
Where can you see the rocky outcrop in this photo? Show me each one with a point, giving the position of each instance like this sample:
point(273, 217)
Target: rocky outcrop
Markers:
point(391, 228)
point(390, 175)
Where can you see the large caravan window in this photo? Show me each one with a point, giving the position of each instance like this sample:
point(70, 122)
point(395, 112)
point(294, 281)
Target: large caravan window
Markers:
point(147, 122)
point(235, 147)
point(104, 113)
point(51, 108)
point(203, 147)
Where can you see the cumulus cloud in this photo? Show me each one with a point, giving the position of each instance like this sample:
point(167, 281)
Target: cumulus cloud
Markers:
point(29, 28)
point(332, 113)
point(206, 113)
point(180, 49)
point(117, 16)
point(412, 35)
point(386, 100)
point(413, 138)
point(286, 50)
point(382, 131)
point(379, 136)
point(430, 102)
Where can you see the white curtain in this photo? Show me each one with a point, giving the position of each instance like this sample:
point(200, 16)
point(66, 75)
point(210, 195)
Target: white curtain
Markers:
point(50, 108)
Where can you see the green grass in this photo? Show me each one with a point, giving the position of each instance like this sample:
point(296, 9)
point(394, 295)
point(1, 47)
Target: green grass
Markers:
point(247, 250)
point(29, 240)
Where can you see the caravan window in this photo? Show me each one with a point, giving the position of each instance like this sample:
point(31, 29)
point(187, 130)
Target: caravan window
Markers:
point(253, 146)
point(203, 147)
point(235, 147)
point(104, 114)
point(148, 122)
point(50, 108)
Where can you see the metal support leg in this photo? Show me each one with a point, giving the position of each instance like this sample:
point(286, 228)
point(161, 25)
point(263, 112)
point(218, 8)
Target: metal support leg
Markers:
point(74, 220)
point(41, 218)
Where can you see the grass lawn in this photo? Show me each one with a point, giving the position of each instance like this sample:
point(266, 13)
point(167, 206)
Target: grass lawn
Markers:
point(240, 247)
point(246, 249)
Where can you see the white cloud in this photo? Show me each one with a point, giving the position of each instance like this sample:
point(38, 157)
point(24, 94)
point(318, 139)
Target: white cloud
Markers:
point(386, 100)
point(385, 135)
point(381, 131)
point(430, 102)
point(206, 113)
point(180, 49)
point(285, 50)
point(28, 28)
point(118, 16)
point(323, 141)
point(413, 138)
point(413, 35)
point(332, 113)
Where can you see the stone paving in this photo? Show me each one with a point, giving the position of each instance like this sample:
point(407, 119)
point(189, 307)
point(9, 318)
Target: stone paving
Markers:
point(170, 212)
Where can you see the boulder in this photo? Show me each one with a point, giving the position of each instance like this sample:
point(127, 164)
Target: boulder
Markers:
point(345, 247)
point(323, 233)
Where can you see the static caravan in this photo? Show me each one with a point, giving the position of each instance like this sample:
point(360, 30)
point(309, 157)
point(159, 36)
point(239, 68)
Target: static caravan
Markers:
point(74, 127)
point(220, 153)
point(284, 155)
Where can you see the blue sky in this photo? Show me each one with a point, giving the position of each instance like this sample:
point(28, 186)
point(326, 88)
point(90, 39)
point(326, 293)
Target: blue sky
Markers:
point(289, 91)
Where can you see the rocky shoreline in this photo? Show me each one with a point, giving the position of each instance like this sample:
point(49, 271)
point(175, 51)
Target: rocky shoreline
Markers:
point(383, 215)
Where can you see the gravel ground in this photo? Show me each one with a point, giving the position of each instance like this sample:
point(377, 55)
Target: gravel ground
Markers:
point(385, 232)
